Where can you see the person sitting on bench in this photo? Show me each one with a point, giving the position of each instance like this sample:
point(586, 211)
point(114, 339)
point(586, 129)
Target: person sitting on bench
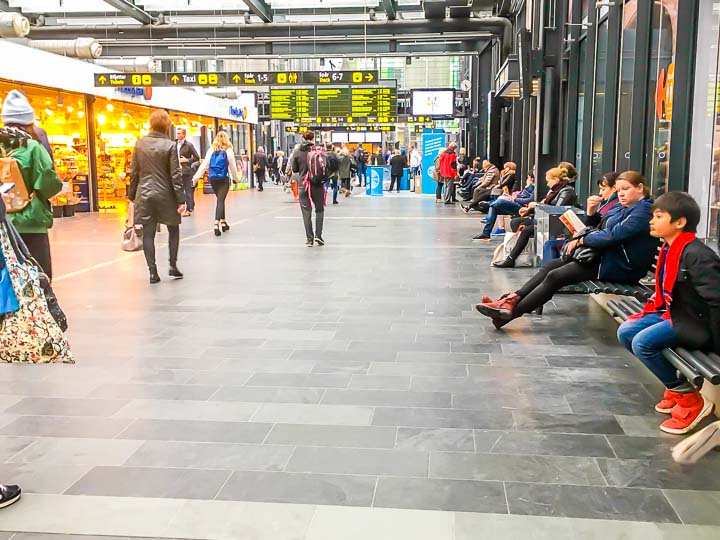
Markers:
point(508, 207)
point(684, 311)
point(620, 250)
point(485, 186)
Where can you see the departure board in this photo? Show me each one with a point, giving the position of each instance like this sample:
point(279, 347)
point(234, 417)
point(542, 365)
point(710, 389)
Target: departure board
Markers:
point(292, 103)
point(333, 102)
point(374, 104)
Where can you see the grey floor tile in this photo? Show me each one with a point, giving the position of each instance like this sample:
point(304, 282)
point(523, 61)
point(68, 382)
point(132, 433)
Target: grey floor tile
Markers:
point(340, 367)
point(510, 401)
point(258, 394)
point(504, 360)
point(430, 370)
point(299, 488)
point(641, 426)
point(335, 436)
point(541, 469)
point(150, 482)
point(389, 398)
point(40, 536)
point(399, 346)
point(299, 380)
point(196, 431)
point(448, 418)
point(194, 455)
point(443, 358)
point(66, 451)
point(662, 473)
point(590, 502)
point(344, 356)
point(41, 477)
point(219, 378)
point(267, 366)
point(566, 423)
point(10, 446)
point(552, 444)
point(297, 413)
point(696, 507)
point(187, 410)
point(427, 439)
point(155, 391)
point(659, 447)
point(463, 385)
point(358, 461)
point(380, 382)
point(64, 426)
point(620, 361)
point(67, 407)
point(448, 495)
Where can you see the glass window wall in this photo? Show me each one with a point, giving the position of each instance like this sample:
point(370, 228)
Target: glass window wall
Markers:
point(598, 142)
point(625, 90)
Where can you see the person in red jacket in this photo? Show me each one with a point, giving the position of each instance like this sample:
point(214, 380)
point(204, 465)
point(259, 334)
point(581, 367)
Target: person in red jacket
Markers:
point(448, 171)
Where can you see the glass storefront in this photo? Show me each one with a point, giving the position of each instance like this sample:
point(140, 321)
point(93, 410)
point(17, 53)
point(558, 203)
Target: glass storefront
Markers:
point(599, 105)
point(580, 107)
point(660, 95)
point(625, 89)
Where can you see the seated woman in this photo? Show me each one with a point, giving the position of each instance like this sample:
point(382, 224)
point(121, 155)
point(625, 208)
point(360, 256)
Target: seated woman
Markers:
point(508, 206)
point(561, 193)
point(626, 253)
point(598, 207)
point(471, 174)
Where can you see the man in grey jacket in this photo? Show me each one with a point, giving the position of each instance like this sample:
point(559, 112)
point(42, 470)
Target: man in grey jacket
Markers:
point(487, 183)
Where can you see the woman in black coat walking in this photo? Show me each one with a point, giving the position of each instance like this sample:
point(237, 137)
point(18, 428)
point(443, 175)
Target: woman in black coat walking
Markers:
point(156, 188)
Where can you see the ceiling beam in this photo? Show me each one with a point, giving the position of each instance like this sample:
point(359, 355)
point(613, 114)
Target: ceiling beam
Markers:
point(127, 7)
point(261, 9)
point(391, 10)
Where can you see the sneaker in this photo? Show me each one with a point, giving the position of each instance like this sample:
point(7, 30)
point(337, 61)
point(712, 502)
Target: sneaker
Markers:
point(687, 414)
point(319, 241)
point(667, 403)
point(483, 220)
point(480, 237)
point(174, 272)
point(335, 202)
point(465, 208)
point(9, 495)
point(498, 232)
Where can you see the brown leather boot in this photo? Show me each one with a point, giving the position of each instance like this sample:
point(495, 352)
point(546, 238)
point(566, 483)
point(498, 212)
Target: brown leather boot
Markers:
point(503, 309)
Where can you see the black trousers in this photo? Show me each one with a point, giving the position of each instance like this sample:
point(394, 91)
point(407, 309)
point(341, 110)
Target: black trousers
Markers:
point(480, 195)
point(316, 192)
point(149, 230)
point(346, 183)
point(260, 176)
point(220, 187)
point(549, 280)
point(438, 189)
point(39, 246)
point(393, 179)
point(189, 193)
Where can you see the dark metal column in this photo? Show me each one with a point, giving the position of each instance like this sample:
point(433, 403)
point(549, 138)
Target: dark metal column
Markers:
point(584, 180)
point(640, 86)
point(612, 76)
point(680, 140)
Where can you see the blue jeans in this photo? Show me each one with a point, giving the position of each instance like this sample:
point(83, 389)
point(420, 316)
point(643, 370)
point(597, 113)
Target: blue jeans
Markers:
point(646, 338)
point(362, 173)
point(499, 207)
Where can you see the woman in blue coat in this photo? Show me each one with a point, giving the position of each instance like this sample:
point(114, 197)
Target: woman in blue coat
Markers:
point(622, 242)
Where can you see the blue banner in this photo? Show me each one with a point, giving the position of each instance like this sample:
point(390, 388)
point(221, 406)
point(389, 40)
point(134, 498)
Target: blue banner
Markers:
point(375, 177)
point(433, 140)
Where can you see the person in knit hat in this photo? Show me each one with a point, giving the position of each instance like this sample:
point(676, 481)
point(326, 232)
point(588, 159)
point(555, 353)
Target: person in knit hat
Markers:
point(17, 111)
point(41, 180)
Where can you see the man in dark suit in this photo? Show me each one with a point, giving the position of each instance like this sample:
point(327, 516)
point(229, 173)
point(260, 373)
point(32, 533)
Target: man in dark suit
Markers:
point(189, 159)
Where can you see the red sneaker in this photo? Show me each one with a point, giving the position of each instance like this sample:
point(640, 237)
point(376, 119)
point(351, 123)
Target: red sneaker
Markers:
point(503, 309)
point(667, 403)
point(688, 413)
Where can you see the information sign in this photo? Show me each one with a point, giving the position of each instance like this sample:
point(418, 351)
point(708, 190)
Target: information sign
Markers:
point(333, 102)
point(292, 103)
point(374, 104)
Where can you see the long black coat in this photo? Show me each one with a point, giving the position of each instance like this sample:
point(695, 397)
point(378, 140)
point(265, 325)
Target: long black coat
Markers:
point(156, 184)
point(695, 306)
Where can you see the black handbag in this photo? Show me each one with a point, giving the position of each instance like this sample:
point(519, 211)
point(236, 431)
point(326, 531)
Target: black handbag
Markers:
point(584, 255)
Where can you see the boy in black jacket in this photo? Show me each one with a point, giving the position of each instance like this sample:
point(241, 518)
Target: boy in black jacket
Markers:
point(684, 311)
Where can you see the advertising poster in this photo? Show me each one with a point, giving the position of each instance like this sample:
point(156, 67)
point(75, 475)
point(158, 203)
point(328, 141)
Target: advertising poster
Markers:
point(433, 140)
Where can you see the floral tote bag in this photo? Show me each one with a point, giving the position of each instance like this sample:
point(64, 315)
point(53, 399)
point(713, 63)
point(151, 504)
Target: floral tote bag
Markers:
point(30, 334)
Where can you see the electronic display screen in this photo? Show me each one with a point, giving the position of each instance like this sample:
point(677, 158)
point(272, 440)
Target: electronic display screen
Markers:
point(292, 103)
point(433, 103)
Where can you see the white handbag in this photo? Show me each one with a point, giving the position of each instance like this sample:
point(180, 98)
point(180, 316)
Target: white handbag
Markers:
point(502, 252)
point(132, 237)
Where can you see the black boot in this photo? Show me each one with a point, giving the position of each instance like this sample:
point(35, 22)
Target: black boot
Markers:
point(154, 277)
point(507, 263)
point(174, 272)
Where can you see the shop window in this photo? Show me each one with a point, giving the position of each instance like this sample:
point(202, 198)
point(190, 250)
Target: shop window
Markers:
point(625, 90)
point(598, 139)
point(712, 230)
point(660, 94)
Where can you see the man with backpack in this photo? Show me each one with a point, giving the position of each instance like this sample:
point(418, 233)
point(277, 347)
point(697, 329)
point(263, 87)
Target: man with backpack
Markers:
point(314, 167)
point(260, 166)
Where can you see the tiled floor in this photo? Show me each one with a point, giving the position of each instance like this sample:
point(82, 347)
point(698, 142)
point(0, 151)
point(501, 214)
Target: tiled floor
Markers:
point(281, 392)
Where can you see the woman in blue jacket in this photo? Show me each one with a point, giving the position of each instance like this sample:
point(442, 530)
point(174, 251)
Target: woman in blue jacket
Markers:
point(626, 253)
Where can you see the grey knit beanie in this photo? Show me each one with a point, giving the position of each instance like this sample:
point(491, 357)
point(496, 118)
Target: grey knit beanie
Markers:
point(16, 109)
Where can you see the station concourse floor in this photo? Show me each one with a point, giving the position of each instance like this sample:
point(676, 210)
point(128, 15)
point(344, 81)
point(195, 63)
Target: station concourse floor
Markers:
point(346, 392)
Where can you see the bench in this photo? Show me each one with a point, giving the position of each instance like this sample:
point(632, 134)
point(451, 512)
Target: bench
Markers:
point(696, 366)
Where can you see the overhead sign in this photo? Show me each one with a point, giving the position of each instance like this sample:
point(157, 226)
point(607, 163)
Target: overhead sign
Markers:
point(333, 104)
point(238, 78)
point(303, 129)
point(292, 103)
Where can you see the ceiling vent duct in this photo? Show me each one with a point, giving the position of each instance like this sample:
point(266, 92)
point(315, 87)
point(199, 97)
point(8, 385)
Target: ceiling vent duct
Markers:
point(82, 47)
point(141, 64)
point(13, 25)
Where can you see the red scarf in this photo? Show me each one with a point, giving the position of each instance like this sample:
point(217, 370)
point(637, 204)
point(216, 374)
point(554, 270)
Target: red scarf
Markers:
point(669, 263)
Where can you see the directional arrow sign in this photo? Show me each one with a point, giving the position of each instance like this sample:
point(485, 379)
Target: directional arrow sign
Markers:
point(175, 79)
point(369, 77)
point(102, 79)
point(236, 78)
